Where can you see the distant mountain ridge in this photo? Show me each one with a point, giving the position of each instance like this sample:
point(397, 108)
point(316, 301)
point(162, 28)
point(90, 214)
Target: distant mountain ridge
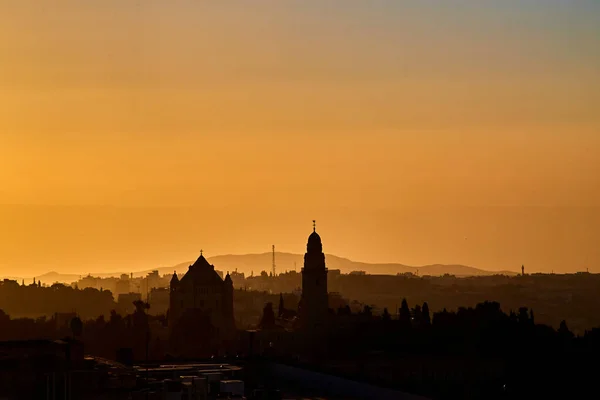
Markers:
point(255, 263)
point(288, 262)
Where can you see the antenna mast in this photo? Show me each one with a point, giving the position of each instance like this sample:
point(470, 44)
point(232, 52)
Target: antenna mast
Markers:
point(273, 260)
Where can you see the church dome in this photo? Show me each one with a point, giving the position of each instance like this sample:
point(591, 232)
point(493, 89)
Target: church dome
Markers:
point(314, 238)
point(314, 243)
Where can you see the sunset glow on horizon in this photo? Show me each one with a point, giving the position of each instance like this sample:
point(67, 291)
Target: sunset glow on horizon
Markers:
point(132, 134)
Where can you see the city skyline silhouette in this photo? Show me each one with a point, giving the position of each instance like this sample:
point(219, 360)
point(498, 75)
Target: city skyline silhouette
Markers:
point(299, 200)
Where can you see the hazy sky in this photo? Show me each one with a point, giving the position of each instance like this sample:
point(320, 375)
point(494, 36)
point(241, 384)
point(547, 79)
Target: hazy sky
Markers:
point(134, 133)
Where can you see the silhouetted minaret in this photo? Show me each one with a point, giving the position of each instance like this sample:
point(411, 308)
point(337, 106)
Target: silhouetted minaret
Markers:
point(314, 301)
point(523, 270)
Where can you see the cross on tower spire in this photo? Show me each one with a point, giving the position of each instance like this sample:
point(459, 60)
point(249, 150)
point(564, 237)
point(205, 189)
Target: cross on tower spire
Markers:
point(200, 251)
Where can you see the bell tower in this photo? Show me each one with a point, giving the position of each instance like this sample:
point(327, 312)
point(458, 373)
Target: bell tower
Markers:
point(314, 305)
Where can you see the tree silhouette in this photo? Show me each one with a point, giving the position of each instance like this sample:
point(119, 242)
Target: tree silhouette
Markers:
point(417, 315)
point(141, 306)
point(4, 317)
point(386, 315)
point(281, 309)
point(268, 318)
point(100, 321)
point(564, 331)
point(76, 327)
point(367, 311)
point(141, 329)
point(425, 312)
point(523, 315)
point(404, 314)
point(344, 310)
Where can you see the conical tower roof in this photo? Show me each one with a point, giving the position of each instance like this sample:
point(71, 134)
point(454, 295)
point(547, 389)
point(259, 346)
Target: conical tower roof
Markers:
point(202, 272)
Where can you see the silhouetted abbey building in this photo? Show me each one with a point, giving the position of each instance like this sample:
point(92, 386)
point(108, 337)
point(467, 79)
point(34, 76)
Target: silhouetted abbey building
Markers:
point(314, 307)
point(201, 306)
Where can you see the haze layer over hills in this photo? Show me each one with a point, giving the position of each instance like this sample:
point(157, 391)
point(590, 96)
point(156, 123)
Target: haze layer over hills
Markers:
point(255, 263)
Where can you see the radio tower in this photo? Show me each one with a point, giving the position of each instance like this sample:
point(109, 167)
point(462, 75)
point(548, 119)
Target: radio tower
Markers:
point(273, 260)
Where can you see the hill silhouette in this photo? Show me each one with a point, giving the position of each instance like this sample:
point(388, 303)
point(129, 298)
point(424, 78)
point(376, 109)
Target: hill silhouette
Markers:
point(290, 262)
point(255, 263)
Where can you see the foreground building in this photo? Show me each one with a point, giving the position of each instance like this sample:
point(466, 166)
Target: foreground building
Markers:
point(201, 308)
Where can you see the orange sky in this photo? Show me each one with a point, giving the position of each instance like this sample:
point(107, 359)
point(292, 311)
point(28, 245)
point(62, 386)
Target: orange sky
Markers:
point(134, 133)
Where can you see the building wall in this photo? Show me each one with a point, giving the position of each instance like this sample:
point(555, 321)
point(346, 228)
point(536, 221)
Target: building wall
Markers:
point(206, 298)
point(215, 300)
